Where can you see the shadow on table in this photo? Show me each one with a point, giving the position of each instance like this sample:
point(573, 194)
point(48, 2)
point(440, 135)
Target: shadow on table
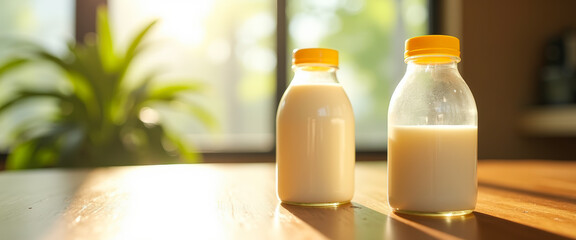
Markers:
point(481, 226)
point(557, 197)
point(355, 221)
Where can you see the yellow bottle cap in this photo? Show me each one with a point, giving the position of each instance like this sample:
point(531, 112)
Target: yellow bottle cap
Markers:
point(315, 55)
point(432, 45)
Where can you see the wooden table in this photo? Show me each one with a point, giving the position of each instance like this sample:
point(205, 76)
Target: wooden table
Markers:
point(517, 200)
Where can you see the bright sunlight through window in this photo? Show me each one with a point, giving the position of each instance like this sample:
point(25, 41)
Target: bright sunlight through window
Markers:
point(228, 45)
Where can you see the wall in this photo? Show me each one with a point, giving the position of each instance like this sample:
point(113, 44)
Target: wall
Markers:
point(502, 51)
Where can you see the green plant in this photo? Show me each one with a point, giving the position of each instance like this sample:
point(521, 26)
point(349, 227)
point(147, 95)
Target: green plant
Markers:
point(97, 121)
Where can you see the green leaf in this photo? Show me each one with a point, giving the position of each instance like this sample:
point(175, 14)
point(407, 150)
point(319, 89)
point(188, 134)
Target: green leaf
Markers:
point(19, 157)
point(35, 153)
point(104, 41)
point(22, 96)
point(48, 150)
point(78, 72)
point(19, 45)
point(45, 55)
point(204, 116)
point(12, 64)
point(85, 93)
point(125, 107)
point(171, 91)
point(187, 150)
point(134, 48)
point(135, 44)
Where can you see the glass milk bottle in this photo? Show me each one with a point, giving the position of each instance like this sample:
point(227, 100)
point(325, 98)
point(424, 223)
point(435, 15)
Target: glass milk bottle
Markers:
point(432, 133)
point(315, 147)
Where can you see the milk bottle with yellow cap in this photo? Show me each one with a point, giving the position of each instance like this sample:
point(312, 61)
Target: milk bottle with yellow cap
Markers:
point(315, 148)
point(432, 133)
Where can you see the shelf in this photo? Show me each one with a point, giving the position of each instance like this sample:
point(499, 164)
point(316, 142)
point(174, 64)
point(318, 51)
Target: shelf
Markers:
point(550, 121)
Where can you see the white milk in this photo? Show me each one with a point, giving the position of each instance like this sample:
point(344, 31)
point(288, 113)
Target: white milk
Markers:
point(432, 168)
point(315, 145)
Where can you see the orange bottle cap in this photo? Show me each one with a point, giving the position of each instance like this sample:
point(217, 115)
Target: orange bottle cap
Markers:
point(315, 55)
point(432, 45)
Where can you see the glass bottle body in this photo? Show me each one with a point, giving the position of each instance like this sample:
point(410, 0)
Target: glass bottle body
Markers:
point(432, 140)
point(315, 146)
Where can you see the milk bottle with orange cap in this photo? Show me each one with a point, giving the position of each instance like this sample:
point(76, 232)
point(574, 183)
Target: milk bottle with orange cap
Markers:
point(432, 133)
point(315, 148)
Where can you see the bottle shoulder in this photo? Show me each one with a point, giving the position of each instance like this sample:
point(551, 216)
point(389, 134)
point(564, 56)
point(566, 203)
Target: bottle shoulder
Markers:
point(439, 98)
point(431, 85)
point(315, 93)
point(310, 98)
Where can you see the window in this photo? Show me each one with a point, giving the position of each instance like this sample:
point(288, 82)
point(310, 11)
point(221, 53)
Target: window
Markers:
point(234, 46)
point(47, 23)
point(229, 45)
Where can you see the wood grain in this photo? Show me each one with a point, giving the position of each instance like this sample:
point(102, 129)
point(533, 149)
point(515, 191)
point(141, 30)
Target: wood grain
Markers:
point(517, 200)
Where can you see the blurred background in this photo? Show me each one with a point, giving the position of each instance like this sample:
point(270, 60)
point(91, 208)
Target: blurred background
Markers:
point(518, 58)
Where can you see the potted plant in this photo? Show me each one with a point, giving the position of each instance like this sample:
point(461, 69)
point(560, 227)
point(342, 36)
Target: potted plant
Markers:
point(101, 119)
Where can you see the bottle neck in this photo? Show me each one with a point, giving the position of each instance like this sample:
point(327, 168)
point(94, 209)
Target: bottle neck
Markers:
point(426, 63)
point(433, 60)
point(314, 74)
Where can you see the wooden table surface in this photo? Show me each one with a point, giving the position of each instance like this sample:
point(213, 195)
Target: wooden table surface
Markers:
point(517, 200)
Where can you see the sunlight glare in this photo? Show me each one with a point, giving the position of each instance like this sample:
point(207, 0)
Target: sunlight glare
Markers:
point(149, 116)
point(149, 201)
point(309, 29)
point(183, 21)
